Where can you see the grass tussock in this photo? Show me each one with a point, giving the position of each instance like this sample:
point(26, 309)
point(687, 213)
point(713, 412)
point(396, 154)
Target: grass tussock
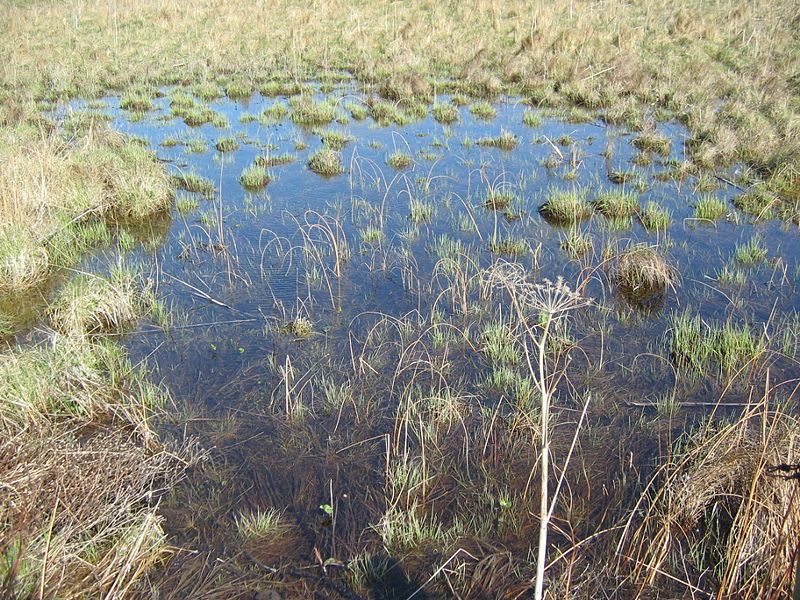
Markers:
point(642, 271)
point(446, 114)
point(617, 204)
point(255, 177)
point(399, 160)
point(326, 162)
point(23, 260)
point(566, 207)
point(505, 140)
point(304, 110)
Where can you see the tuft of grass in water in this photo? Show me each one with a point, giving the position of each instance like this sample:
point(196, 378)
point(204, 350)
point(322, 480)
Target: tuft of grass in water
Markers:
point(259, 525)
point(91, 304)
point(283, 88)
point(508, 245)
point(731, 274)
point(207, 91)
point(399, 160)
point(616, 204)
point(498, 200)
point(499, 345)
point(420, 211)
point(483, 110)
point(566, 206)
point(194, 182)
point(186, 204)
point(358, 111)
point(239, 89)
point(274, 114)
point(576, 243)
point(532, 118)
point(696, 345)
point(447, 114)
point(23, 259)
point(654, 216)
point(750, 253)
point(304, 110)
point(653, 142)
point(227, 144)
point(710, 208)
point(385, 113)
point(254, 177)
point(621, 177)
point(136, 100)
point(273, 160)
point(372, 234)
point(196, 145)
point(505, 141)
point(299, 327)
point(758, 203)
point(641, 271)
point(333, 139)
point(326, 162)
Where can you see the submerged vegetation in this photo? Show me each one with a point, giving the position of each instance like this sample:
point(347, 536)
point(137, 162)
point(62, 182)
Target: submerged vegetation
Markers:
point(518, 362)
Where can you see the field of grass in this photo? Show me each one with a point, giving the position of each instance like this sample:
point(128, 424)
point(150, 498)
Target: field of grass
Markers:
point(91, 446)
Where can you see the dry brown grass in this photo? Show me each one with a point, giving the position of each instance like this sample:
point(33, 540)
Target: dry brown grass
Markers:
point(81, 472)
point(714, 511)
point(641, 271)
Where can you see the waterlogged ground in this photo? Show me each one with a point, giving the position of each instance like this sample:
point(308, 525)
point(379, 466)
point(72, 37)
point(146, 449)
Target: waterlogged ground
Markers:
point(337, 342)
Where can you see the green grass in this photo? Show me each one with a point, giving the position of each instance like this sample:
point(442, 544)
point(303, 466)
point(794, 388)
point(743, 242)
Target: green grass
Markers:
point(193, 182)
point(505, 140)
point(388, 113)
point(447, 114)
point(326, 162)
point(576, 243)
point(498, 200)
point(90, 304)
point(239, 89)
point(566, 206)
point(757, 202)
point(399, 160)
point(420, 211)
point(710, 208)
point(617, 204)
point(207, 90)
point(653, 142)
point(358, 111)
point(532, 118)
point(254, 177)
point(273, 160)
point(751, 253)
point(136, 100)
point(258, 525)
point(274, 114)
point(333, 139)
point(655, 217)
point(483, 110)
point(227, 144)
point(511, 246)
point(23, 259)
point(306, 111)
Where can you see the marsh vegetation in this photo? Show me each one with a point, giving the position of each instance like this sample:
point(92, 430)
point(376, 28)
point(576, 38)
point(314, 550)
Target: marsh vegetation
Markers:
point(346, 311)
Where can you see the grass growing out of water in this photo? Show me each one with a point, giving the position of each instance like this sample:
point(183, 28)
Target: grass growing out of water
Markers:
point(255, 177)
point(758, 203)
point(642, 271)
point(498, 200)
point(447, 114)
point(750, 253)
point(194, 182)
point(299, 327)
point(326, 162)
point(273, 114)
point(273, 160)
point(483, 110)
point(696, 345)
point(239, 90)
point(258, 525)
point(227, 144)
point(566, 206)
point(420, 211)
point(653, 142)
point(136, 101)
point(304, 110)
point(508, 245)
point(617, 204)
point(386, 113)
point(576, 243)
point(710, 208)
point(333, 139)
point(505, 141)
point(532, 118)
point(399, 160)
point(186, 204)
point(654, 216)
point(92, 304)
